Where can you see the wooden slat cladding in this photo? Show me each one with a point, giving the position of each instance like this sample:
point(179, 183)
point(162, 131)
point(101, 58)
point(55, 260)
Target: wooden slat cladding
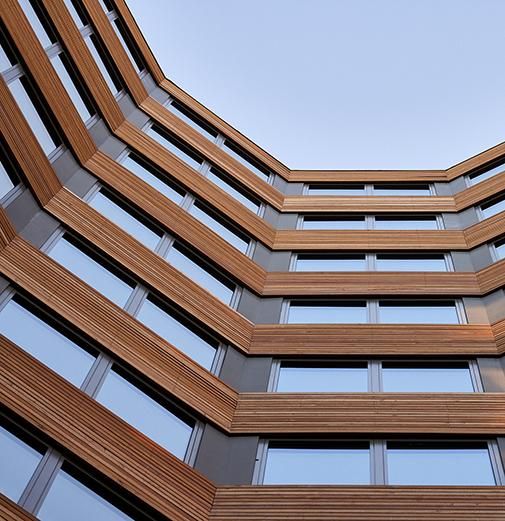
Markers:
point(297, 413)
point(485, 230)
point(372, 339)
point(498, 329)
point(370, 240)
point(144, 49)
point(103, 440)
point(213, 153)
point(492, 277)
point(241, 140)
point(115, 49)
point(476, 161)
point(150, 268)
point(477, 193)
point(71, 38)
point(47, 80)
point(7, 232)
point(319, 203)
point(177, 220)
point(117, 331)
point(371, 283)
point(366, 176)
point(9, 511)
point(354, 503)
point(25, 148)
point(196, 183)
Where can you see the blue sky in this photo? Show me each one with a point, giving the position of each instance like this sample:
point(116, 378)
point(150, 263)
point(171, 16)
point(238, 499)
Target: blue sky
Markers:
point(337, 84)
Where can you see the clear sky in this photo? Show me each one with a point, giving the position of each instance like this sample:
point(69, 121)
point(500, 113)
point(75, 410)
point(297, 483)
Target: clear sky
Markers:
point(371, 84)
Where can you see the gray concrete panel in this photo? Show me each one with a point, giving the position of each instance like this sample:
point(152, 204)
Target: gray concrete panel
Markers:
point(492, 373)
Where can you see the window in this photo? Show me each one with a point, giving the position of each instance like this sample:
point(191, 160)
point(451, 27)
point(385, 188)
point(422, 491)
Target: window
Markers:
point(38, 22)
point(327, 312)
point(330, 463)
point(321, 377)
point(477, 177)
point(130, 49)
point(116, 211)
point(330, 262)
point(336, 189)
point(73, 86)
point(101, 60)
point(35, 333)
point(175, 146)
point(152, 177)
point(493, 206)
point(435, 463)
point(92, 269)
point(500, 248)
point(76, 13)
point(351, 222)
point(393, 189)
point(145, 413)
point(8, 179)
point(189, 117)
point(7, 57)
point(411, 262)
point(426, 377)
point(175, 329)
point(416, 312)
point(70, 498)
point(244, 158)
point(220, 226)
point(29, 104)
point(420, 222)
point(234, 189)
point(19, 461)
point(209, 278)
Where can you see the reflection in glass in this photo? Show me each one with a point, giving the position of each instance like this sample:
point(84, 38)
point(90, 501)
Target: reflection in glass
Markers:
point(406, 223)
point(145, 414)
point(482, 176)
point(93, 46)
point(193, 121)
point(124, 219)
point(132, 55)
point(493, 207)
point(500, 249)
point(426, 378)
point(328, 313)
point(334, 223)
point(391, 312)
point(438, 464)
point(69, 499)
point(45, 343)
point(17, 464)
point(246, 160)
point(232, 189)
point(392, 262)
point(328, 378)
point(173, 331)
point(318, 465)
point(336, 189)
point(398, 189)
point(90, 271)
point(152, 178)
point(6, 184)
point(322, 262)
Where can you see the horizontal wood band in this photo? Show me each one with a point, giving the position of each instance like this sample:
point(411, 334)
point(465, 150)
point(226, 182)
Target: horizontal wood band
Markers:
point(9, 511)
point(366, 176)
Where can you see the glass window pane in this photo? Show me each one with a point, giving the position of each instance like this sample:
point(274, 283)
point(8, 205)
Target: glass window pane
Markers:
point(45, 343)
point(173, 331)
point(145, 414)
point(425, 465)
point(392, 262)
point(6, 62)
point(153, 179)
point(243, 158)
point(173, 146)
point(221, 181)
point(78, 19)
point(323, 378)
point(411, 313)
point(18, 90)
point(193, 121)
point(309, 262)
point(406, 190)
point(18, 463)
point(91, 272)
point(493, 207)
point(35, 22)
point(92, 43)
point(327, 223)
point(134, 57)
point(317, 466)
point(70, 86)
point(199, 274)
point(223, 231)
point(330, 313)
point(398, 378)
point(405, 223)
point(337, 189)
point(107, 207)
point(500, 249)
point(482, 176)
point(6, 184)
point(69, 499)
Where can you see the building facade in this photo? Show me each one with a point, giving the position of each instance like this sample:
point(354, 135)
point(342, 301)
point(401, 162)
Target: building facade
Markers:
point(190, 330)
